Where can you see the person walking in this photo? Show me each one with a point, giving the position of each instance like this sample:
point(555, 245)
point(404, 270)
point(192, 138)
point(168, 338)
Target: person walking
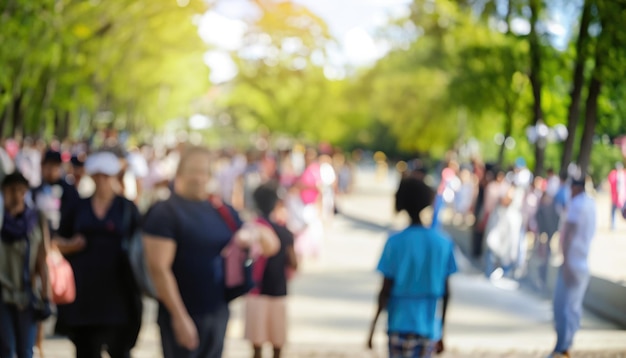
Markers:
point(266, 305)
point(573, 276)
point(55, 197)
point(107, 309)
point(617, 182)
point(184, 237)
point(24, 284)
point(416, 264)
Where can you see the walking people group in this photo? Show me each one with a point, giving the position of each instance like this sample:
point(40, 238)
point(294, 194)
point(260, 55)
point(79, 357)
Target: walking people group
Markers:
point(267, 212)
point(89, 211)
point(515, 229)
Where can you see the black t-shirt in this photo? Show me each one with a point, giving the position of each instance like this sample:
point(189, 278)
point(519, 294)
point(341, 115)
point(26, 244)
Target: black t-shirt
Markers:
point(101, 270)
point(200, 234)
point(274, 276)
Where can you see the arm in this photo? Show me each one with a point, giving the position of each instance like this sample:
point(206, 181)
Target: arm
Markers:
point(66, 239)
point(255, 232)
point(160, 253)
point(292, 258)
point(383, 300)
point(41, 266)
point(568, 235)
point(446, 297)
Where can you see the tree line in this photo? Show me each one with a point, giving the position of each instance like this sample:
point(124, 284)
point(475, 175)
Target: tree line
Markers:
point(457, 72)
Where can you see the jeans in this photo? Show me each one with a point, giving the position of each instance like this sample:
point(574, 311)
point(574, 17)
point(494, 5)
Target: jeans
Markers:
point(491, 264)
point(614, 208)
point(17, 332)
point(568, 309)
point(211, 333)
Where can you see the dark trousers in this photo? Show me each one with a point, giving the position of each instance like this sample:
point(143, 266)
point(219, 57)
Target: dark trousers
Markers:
point(17, 332)
point(91, 340)
point(211, 333)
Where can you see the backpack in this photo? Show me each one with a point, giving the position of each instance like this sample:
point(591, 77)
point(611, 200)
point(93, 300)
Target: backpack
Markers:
point(133, 247)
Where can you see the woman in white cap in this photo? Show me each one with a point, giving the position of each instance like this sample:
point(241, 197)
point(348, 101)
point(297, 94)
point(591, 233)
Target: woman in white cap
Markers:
point(107, 309)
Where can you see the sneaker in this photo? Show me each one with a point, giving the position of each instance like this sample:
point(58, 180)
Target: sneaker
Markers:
point(497, 274)
point(559, 355)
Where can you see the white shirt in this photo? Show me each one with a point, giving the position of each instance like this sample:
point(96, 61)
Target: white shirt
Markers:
point(582, 212)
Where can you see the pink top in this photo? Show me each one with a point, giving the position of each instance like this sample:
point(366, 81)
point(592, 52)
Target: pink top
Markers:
point(617, 181)
point(312, 179)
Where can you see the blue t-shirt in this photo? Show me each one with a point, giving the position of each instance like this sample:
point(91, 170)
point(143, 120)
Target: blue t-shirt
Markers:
point(419, 261)
point(562, 198)
point(200, 234)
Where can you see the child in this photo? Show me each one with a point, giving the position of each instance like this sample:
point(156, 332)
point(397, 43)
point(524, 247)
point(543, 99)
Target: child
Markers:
point(266, 309)
point(415, 264)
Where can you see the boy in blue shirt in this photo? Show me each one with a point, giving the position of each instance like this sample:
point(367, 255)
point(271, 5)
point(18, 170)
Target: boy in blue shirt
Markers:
point(415, 264)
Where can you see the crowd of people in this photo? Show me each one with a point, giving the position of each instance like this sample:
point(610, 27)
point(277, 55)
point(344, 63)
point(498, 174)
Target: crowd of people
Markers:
point(522, 224)
point(72, 214)
point(87, 204)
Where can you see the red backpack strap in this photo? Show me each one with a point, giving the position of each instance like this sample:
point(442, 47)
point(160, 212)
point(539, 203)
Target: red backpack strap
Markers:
point(225, 213)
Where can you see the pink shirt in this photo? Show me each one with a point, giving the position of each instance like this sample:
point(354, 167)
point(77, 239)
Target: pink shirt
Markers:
point(311, 178)
point(617, 181)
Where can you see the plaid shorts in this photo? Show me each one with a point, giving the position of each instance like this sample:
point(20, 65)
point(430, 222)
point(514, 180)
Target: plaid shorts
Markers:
point(409, 345)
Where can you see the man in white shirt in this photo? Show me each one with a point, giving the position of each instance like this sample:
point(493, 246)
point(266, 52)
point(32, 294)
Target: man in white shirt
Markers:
point(573, 277)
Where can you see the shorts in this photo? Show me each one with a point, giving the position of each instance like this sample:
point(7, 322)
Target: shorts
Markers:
point(266, 320)
point(410, 345)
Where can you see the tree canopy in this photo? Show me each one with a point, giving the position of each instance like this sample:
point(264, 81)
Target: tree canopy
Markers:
point(457, 71)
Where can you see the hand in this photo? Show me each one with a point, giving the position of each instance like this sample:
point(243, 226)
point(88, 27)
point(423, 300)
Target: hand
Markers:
point(73, 245)
point(439, 348)
point(43, 312)
point(186, 332)
point(569, 278)
point(370, 338)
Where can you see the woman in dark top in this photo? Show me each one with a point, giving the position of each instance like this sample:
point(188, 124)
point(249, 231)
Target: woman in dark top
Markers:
point(107, 309)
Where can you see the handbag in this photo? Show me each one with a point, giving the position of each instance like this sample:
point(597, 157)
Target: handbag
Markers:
point(238, 265)
point(61, 278)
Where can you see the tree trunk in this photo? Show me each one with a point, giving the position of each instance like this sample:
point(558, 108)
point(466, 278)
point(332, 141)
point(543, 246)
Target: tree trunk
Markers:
point(3, 121)
point(508, 132)
point(535, 81)
point(17, 119)
point(508, 16)
point(67, 120)
point(578, 82)
point(591, 117)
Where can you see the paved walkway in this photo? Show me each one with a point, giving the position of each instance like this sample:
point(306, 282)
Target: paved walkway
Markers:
point(333, 298)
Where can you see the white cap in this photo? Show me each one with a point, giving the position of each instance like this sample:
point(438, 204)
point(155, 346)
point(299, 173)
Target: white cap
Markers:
point(102, 163)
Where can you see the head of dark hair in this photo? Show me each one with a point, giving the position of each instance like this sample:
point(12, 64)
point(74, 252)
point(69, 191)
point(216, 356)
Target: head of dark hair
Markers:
point(15, 178)
point(265, 198)
point(52, 157)
point(413, 196)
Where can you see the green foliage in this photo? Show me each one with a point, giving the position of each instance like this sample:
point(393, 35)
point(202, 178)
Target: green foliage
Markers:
point(603, 158)
point(69, 59)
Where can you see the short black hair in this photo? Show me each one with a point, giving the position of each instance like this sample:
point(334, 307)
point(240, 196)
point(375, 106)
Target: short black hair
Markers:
point(15, 178)
point(413, 196)
point(265, 198)
point(52, 157)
